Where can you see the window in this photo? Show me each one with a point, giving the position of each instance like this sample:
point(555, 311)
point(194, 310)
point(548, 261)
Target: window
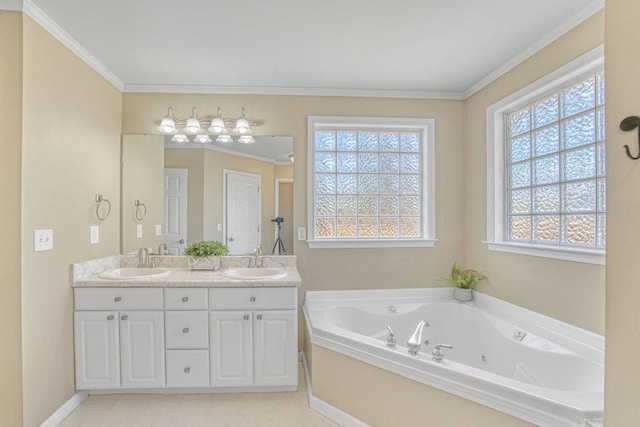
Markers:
point(371, 182)
point(549, 199)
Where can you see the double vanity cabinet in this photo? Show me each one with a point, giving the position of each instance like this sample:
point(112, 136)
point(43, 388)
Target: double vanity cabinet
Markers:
point(215, 338)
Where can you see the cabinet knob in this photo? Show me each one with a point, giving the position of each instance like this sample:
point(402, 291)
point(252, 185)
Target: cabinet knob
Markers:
point(187, 370)
point(246, 317)
point(124, 317)
point(185, 299)
point(259, 316)
point(185, 331)
point(117, 299)
point(110, 317)
point(252, 299)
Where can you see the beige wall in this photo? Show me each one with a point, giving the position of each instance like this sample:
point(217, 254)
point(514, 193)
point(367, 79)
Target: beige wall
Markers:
point(540, 284)
point(71, 151)
point(287, 115)
point(142, 179)
point(381, 398)
point(622, 390)
point(10, 184)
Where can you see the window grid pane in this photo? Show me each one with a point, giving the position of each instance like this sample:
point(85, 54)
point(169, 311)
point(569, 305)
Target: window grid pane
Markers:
point(368, 184)
point(555, 175)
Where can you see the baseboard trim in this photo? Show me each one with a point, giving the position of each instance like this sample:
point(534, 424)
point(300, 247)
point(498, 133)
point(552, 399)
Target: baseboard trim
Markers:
point(334, 414)
point(63, 412)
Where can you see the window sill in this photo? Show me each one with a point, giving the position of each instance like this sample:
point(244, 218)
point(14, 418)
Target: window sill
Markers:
point(588, 256)
point(346, 243)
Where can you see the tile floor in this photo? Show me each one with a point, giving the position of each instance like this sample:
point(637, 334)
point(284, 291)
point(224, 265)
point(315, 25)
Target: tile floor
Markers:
point(185, 410)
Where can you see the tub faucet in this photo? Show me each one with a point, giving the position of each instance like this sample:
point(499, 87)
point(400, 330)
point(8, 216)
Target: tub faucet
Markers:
point(438, 354)
point(143, 259)
point(415, 340)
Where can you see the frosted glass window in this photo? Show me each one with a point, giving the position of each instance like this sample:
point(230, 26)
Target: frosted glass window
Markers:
point(369, 182)
point(555, 167)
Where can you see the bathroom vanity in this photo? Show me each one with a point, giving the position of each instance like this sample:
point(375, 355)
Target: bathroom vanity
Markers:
point(186, 331)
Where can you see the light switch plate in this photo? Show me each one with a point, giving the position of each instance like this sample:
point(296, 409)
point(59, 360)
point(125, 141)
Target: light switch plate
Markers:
point(42, 240)
point(158, 230)
point(139, 231)
point(94, 232)
point(302, 233)
point(219, 227)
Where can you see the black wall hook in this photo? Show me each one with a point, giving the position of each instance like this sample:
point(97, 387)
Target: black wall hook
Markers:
point(628, 124)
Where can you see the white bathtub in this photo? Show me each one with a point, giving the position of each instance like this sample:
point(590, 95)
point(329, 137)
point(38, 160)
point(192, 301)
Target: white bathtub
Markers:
point(554, 376)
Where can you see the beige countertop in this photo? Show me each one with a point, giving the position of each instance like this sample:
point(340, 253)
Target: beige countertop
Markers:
point(183, 277)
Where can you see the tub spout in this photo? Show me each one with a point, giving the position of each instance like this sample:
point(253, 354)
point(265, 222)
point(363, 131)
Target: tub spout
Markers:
point(415, 340)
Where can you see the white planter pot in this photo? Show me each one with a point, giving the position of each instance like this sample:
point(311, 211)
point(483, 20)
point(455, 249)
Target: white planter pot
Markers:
point(463, 295)
point(204, 263)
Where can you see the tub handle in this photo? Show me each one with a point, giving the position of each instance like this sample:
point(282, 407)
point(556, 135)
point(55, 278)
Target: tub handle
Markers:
point(391, 338)
point(438, 354)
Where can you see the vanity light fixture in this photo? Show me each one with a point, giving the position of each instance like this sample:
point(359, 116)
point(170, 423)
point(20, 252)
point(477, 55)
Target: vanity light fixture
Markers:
point(242, 125)
point(224, 139)
point(193, 126)
point(202, 139)
point(168, 124)
point(180, 138)
point(217, 124)
point(246, 139)
point(207, 126)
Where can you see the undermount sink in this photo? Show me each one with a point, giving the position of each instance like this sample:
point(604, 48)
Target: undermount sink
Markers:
point(254, 273)
point(133, 273)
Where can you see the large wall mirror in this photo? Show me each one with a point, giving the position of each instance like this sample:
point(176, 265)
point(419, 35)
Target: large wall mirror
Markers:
point(176, 194)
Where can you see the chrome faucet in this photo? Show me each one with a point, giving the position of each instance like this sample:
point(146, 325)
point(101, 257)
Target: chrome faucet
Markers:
point(143, 259)
point(415, 340)
point(162, 248)
point(438, 354)
point(256, 261)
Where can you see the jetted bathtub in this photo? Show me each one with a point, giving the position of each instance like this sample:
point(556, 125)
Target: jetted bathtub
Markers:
point(506, 357)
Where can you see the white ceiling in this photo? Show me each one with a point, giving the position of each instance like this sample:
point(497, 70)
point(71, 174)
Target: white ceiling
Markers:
point(418, 48)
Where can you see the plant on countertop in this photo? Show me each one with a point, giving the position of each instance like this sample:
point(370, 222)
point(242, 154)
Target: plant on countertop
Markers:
point(464, 278)
point(206, 248)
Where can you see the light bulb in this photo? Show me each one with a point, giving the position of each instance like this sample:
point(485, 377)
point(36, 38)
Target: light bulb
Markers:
point(217, 124)
point(225, 139)
point(246, 139)
point(180, 138)
point(202, 139)
point(242, 125)
point(168, 125)
point(193, 124)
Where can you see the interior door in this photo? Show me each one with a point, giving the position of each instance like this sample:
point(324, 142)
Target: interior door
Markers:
point(242, 212)
point(175, 210)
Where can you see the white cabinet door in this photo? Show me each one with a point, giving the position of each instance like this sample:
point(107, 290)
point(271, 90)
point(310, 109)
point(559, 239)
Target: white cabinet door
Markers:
point(275, 348)
point(231, 348)
point(142, 349)
point(97, 349)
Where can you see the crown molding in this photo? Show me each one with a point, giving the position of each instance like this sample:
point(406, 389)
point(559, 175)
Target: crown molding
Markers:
point(591, 9)
point(35, 13)
point(298, 91)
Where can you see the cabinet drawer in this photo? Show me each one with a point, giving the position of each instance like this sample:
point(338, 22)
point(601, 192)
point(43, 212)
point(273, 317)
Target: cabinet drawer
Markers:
point(185, 298)
point(252, 298)
point(186, 329)
point(187, 368)
point(118, 298)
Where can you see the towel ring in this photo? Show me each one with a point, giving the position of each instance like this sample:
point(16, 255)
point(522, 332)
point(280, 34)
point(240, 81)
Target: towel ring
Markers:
point(140, 207)
point(100, 200)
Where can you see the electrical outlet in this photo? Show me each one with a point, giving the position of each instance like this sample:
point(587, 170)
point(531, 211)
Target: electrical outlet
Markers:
point(302, 233)
point(94, 232)
point(139, 231)
point(158, 230)
point(42, 240)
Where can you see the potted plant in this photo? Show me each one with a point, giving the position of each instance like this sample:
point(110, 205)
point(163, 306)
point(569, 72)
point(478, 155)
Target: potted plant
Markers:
point(463, 280)
point(205, 255)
